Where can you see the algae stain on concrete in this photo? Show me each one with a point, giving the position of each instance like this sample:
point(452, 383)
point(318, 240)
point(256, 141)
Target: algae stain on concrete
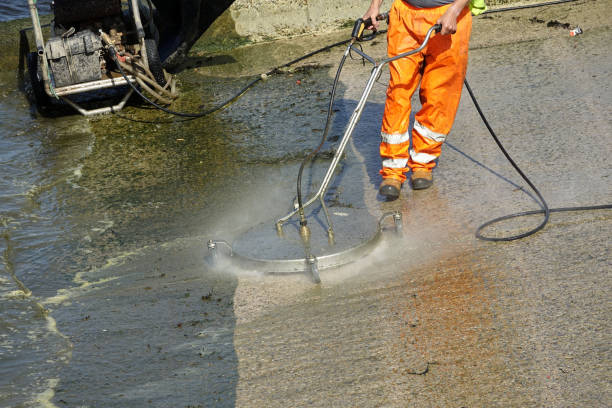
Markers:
point(220, 36)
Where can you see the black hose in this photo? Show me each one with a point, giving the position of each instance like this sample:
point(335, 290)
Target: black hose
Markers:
point(332, 97)
point(113, 54)
point(323, 138)
point(191, 116)
point(542, 202)
point(540, 199)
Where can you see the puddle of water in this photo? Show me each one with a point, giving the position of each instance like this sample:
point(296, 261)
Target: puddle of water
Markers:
point(86, 201)
point(12, 9)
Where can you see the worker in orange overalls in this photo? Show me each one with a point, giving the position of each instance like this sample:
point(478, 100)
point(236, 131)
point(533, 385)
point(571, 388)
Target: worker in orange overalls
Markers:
point(440, 68)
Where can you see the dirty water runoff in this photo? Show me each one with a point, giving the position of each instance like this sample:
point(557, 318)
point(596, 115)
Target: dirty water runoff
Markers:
point(106, 300)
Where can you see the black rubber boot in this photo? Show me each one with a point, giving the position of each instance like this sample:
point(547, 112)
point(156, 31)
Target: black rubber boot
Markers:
point(390, 188)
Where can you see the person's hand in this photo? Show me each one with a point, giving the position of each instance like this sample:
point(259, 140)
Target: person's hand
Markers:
point(372, 13)
point(449, 21)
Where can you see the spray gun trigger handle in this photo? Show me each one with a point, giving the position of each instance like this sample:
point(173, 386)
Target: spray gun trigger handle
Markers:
point(359, 28)
point(361, 25)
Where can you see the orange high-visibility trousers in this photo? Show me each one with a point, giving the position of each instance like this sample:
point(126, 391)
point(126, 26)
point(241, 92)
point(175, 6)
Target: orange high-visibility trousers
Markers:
point(440, 68)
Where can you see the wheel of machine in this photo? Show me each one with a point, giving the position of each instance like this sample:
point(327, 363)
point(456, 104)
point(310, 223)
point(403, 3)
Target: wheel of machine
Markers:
point(41, 98)
point(155, 65)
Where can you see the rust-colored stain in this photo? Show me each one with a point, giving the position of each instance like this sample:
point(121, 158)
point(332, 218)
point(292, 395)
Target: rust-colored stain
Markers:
point(451, 325)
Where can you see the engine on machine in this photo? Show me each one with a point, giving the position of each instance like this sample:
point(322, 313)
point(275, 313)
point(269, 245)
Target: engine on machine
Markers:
point(73, 57)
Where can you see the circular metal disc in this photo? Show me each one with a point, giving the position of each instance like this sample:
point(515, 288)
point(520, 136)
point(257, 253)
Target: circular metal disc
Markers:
point(355, 231)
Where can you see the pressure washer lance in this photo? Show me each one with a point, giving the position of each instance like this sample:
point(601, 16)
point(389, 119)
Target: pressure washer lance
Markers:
point(357, 35)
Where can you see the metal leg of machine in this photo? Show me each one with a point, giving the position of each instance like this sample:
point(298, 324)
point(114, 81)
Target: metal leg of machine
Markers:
point(99, 111)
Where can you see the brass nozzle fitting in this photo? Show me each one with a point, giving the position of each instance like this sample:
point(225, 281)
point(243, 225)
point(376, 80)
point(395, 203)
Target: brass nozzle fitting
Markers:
point(331, 238)
point(305, 233)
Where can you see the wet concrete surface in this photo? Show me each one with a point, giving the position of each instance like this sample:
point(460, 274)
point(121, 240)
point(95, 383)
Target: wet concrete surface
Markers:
point(109, 238)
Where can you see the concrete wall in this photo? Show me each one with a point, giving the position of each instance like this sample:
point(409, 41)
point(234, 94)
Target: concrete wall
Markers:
point(259, 20)
point(270, 19)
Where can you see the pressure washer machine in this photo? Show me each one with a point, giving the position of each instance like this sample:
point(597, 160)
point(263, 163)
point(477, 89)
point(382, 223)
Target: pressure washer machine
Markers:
point(71, 58)
point(71, 55)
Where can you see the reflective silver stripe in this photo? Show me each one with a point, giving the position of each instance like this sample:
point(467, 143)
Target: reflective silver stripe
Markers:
point(395, 138)
point(422, 158)
point(430, 134)
point(395, 163)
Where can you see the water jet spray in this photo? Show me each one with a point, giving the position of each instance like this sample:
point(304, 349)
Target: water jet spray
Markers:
point(312, 243)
